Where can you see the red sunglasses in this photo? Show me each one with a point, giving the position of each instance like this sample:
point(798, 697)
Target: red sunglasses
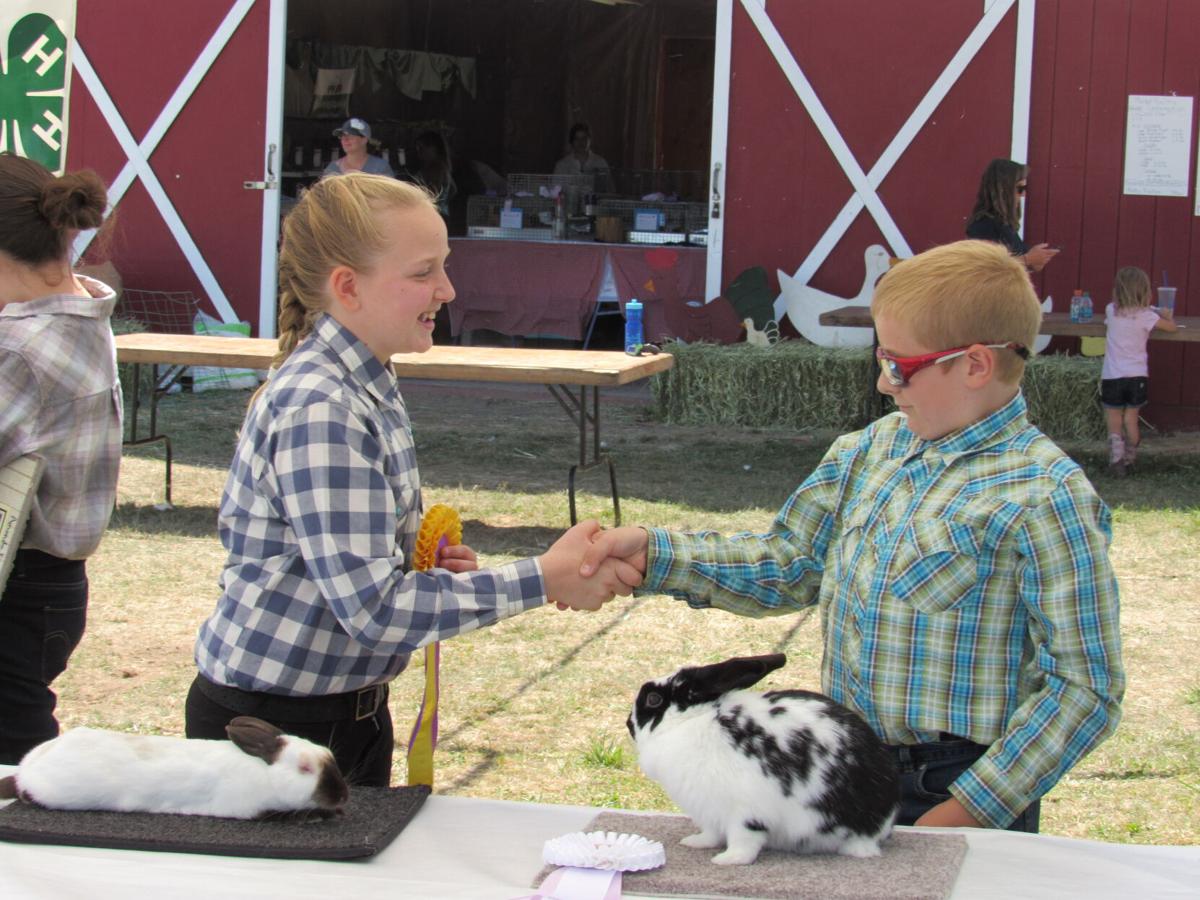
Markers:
point(899, 370)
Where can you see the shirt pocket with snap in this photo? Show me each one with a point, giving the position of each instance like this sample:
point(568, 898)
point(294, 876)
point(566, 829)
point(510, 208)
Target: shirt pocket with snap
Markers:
point(936, 566)
point(854, 553)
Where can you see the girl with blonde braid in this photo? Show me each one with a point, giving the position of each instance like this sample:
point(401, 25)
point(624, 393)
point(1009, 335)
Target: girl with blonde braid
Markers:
point(319, 608)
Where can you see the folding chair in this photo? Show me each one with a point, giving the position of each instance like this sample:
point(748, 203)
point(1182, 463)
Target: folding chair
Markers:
point(161, 312)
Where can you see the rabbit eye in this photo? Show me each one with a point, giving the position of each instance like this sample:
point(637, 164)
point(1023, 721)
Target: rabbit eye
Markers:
point(654, 701)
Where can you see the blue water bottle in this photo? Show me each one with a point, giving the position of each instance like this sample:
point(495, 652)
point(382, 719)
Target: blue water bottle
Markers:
point(1085, 312)
point(633, 328)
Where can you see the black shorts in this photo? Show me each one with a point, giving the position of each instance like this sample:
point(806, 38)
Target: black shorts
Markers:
point(1120, 392)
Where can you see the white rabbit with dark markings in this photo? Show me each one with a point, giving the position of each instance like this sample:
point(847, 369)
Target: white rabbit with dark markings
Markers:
point(259, 772)
point(788, 770)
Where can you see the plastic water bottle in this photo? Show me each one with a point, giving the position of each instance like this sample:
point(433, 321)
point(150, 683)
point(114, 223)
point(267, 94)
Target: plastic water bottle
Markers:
point(1085, 308)
point(633, 328)
point(1076, 305)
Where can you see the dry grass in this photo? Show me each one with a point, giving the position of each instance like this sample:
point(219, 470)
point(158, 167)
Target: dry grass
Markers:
point(534, 708)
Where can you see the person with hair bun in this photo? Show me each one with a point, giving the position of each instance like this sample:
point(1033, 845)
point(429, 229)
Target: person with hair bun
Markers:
point(319, 607)
point(60, 400)
point(997, 213)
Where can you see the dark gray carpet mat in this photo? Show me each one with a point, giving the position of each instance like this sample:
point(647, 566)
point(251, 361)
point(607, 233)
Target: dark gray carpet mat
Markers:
point(913, 866)
point(373, 817)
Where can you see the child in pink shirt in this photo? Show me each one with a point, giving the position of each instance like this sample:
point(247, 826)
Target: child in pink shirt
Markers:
point(1123, 380)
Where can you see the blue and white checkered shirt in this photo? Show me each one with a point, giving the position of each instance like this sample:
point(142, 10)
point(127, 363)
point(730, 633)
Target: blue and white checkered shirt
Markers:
point(964, 587)
point(319, 515)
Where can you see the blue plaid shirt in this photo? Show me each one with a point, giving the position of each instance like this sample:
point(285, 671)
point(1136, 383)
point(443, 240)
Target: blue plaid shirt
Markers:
point(319, 515)
point(964, 587)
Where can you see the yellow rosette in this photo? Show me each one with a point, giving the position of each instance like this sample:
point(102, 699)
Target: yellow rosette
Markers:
point(440, 527)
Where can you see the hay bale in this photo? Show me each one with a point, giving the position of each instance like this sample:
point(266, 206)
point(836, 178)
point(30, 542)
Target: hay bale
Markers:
point(792, 384)
point(1063, 393)
point(799, 385)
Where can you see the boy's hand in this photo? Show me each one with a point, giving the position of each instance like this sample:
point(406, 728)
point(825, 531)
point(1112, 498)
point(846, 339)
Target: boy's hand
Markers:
point(457, 558)
point(628, 544)
point(949, 814)
point(567, 588)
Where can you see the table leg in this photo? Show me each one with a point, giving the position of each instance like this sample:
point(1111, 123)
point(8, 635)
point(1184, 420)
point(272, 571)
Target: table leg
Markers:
point(586, 421)
point(159, 386)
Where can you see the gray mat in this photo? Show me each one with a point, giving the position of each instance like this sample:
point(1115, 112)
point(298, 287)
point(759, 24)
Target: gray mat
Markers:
point(913, 866)
point(373, 817)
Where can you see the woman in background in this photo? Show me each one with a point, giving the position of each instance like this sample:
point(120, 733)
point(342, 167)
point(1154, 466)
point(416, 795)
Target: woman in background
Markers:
point(433, 169)
point(355, 136)
point(60, 400)
point(997, 213)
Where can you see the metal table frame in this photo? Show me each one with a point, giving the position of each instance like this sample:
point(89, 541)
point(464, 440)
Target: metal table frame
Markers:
point(573, 377)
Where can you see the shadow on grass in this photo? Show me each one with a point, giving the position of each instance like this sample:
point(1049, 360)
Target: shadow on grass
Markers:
point(502, 705)
point(181, 521)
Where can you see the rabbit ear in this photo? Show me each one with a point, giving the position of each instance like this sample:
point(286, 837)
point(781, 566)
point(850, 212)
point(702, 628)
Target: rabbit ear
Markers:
point(706, 683)
point(255, 737)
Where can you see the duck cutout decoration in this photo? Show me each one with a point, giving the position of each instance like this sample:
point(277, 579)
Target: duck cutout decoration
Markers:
point(1042, 340)
point(804, 304)
point(768, 337)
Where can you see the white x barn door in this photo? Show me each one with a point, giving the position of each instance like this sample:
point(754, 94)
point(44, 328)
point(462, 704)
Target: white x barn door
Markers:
point(180, 115)
point(747, 27)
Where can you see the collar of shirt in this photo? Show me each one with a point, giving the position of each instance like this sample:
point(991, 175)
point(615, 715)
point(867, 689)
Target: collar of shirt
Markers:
point(98, 306)
point(999, 426)
point(358, 359)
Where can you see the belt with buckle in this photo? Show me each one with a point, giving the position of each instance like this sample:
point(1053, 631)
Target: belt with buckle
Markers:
point(275, 708)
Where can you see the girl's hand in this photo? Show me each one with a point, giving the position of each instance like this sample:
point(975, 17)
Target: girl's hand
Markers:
point(457, 558)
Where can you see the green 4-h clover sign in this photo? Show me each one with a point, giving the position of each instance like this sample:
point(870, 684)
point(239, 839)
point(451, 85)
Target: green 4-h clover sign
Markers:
point(33, 80)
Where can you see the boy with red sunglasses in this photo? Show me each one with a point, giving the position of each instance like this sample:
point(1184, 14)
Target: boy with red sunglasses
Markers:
point(960, 559)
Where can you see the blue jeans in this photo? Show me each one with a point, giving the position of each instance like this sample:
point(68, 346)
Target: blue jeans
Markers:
point(42, 616)
point(928, 770)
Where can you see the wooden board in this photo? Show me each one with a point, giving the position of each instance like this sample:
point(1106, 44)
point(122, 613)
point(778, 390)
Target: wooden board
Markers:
point(600, 368)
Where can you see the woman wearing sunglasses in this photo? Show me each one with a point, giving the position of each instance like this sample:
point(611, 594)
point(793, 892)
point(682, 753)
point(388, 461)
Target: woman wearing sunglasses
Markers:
point(997, 213)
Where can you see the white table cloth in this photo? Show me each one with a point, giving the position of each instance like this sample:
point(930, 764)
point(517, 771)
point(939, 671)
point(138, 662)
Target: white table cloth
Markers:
point(472, 849)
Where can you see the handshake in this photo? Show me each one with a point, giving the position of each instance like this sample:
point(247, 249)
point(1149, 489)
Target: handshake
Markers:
point(588, 566)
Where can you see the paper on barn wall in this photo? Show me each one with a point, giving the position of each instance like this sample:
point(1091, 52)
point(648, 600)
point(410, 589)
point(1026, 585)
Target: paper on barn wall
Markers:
point(1158, 138)
point(35, 43)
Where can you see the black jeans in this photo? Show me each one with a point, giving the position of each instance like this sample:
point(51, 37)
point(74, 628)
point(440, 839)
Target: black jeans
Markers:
point(362, 747)
point(928, 770)
point(43, 612)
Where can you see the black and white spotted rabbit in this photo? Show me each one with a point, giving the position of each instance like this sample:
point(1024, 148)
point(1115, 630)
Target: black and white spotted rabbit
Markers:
point(788, 770)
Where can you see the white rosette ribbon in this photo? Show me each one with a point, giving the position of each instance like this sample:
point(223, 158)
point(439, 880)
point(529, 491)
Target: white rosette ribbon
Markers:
point(590, 865)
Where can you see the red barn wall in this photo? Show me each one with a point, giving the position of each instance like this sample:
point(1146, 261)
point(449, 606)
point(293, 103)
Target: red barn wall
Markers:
point(871, 63)
point(141, 51)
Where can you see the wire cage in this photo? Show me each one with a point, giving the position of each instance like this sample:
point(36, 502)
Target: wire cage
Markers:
point(163, 312)
point(655, 221)
point(535, 215)
point(574, 187)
